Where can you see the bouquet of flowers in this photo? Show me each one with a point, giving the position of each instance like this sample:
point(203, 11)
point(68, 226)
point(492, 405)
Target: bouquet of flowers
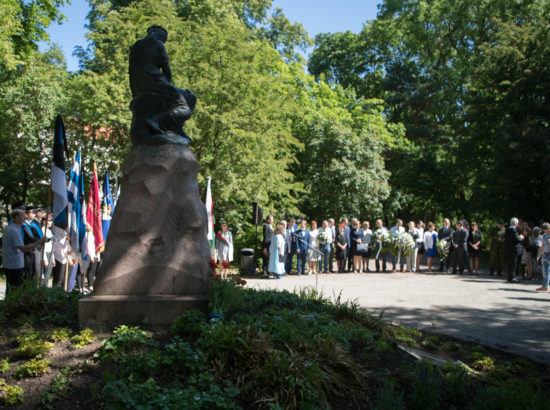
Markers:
point(443, 248)
point(381, 240)
point(401, 244)
point(322, 238)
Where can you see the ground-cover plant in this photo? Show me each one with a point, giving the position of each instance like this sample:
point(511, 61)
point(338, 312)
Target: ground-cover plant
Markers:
point(32, 368)
point(125, 339)
point(4, 365)
point(60, 334)
point(31, 344)
point(10, 395)
point(59, 388)
point(85, 337)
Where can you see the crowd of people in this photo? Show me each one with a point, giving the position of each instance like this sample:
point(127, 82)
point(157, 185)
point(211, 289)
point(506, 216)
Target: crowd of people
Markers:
point(35, 250)
point(523, 250)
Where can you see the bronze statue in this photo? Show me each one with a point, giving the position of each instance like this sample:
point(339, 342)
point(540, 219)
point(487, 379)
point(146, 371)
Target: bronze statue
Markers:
point(159, 108)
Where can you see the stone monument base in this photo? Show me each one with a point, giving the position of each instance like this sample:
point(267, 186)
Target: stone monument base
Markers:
point(107, 311)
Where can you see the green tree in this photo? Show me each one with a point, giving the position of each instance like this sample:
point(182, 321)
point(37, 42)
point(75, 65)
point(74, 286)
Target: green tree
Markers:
point(28, 107)
point(24, 23)
point(341, 163)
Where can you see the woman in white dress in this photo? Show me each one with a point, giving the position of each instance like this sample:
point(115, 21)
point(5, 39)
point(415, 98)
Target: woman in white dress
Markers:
point(277, 252)
point(224, 249)
point(314, 256)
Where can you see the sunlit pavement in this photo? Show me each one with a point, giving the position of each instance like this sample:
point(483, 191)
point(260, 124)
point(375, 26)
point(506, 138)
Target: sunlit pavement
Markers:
point(484, 309)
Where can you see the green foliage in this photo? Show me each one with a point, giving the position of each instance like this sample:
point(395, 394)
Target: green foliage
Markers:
point(4, 365)
point(24, 23)
point(390, 397)
point(405, 334)
point(484, 363)
point(60, 334)
point(10, 395)
point(149, 395)
point(32, 368)
point(50, 305)
point(31, 344)
point(189, 325)
point(59, 388)
point(125, 339)
point(85, 337)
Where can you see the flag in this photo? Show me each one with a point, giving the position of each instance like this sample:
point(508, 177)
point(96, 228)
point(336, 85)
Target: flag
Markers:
point(75, 197)
point(59, 179)
point(93, 213)
point(117, 186)
point(210, 214)
point(107, 206)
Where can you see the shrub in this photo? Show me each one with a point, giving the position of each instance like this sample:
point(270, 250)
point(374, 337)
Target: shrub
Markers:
point(49, 305)
point(10, 395)
point(32, 368)
point(190, 324)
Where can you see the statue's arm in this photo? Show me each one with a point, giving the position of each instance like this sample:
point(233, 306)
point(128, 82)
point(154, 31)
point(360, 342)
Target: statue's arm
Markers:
point(164, 62)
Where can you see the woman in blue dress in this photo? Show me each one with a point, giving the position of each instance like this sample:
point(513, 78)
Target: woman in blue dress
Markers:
point(430, 242)
point(277, 253)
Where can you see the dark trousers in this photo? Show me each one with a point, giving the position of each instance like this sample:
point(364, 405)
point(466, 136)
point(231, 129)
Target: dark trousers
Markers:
point(288, 262)
point(14, 278)
point(302, 256)
point(29, 264)
point(265, 260)
point(350, 260)
point(90, 274)
point(459, 258)
point(331, 258)
point(58, 274)
point(511, 264)
point(381, 257)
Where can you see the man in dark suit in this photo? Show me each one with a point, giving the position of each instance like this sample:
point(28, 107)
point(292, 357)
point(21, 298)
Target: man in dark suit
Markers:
point(290, 245)
point(266, 241)
point(303, 244)
point(460, 237)
point(512, 249)
point(446, 233)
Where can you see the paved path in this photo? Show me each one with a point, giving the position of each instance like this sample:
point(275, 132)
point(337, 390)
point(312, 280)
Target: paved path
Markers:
point(482, 309)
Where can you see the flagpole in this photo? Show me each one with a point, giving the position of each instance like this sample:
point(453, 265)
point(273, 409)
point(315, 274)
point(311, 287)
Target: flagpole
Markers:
point(70, 239)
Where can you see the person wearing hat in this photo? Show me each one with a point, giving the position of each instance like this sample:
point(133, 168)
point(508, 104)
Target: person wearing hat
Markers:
point(35, 225)
point(460, 237)
point(496, 250)
point(13, 250)
point(30, 235)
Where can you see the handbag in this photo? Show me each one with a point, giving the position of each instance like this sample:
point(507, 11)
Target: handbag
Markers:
point(362, 247)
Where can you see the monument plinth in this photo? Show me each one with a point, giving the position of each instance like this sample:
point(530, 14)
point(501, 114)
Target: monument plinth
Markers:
point(156, 261)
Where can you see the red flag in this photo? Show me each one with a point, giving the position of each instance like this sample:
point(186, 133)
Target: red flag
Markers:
point(93, 213)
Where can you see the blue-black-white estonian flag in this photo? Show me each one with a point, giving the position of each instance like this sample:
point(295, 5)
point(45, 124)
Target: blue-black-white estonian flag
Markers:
point(59, 179)
point(75, 196)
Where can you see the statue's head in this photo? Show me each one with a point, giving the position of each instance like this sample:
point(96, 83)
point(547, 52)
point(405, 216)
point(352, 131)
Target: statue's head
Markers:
point(158, 33)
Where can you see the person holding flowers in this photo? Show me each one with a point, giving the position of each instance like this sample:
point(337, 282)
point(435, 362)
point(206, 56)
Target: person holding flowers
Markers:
point(430, 244)
point(380, 241)
point(411, 256)
point(314, 256)
point(224, 249)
